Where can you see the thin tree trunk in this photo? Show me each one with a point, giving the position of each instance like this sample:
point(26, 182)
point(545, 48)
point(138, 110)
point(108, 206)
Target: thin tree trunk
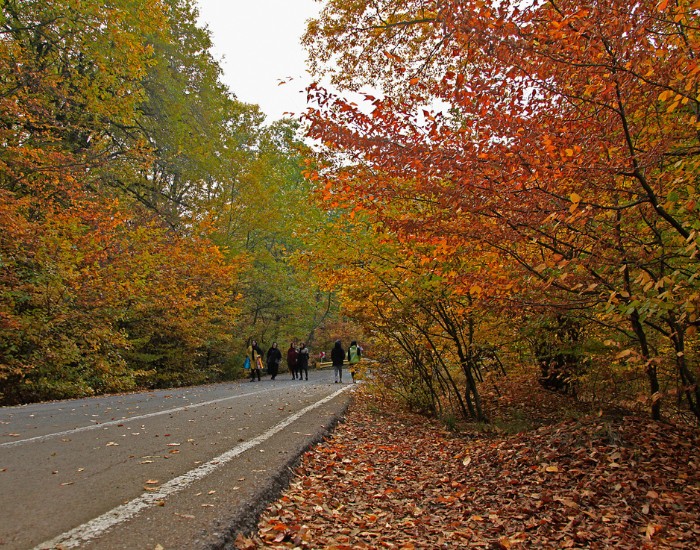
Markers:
point(689, 383)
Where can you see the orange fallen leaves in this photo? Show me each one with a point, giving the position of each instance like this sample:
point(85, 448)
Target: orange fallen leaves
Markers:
point(388, 479)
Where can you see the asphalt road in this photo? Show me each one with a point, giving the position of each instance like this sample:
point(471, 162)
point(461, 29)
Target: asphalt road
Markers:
point(183, 468)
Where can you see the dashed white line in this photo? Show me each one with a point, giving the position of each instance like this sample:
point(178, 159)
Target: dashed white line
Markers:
point(46, 437)
point(92, 529)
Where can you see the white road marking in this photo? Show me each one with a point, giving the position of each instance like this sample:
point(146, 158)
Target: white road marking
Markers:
point(94, 528)
point(46, 437)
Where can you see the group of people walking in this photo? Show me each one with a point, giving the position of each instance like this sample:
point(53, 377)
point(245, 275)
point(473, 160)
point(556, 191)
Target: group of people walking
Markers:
point(298, 360)
point(354, 355)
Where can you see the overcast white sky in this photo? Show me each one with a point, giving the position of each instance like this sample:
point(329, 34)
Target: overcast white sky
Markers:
point(257, 43)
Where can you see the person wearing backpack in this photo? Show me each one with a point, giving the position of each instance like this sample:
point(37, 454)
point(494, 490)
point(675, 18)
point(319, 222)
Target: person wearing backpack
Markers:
point(337, 357)
point(256, 365)
point(354, 356)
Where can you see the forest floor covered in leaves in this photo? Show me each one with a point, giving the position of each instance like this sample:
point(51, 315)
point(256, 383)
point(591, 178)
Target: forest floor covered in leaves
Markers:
point(566, 479)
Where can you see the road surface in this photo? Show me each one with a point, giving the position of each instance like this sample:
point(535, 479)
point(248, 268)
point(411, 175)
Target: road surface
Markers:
point(180, 468)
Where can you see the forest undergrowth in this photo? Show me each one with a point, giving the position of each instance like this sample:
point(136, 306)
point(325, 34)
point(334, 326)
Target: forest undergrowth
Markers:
point(546, 473)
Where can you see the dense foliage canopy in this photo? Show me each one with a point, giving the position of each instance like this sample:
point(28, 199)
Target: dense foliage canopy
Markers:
point(514, 183)
point(142, 207)
point(534, 166)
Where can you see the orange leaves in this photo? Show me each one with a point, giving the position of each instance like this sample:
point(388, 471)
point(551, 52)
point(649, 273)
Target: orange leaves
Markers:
point(92, 288)
point(403, 488)
point(393, 56)
point(548, 144)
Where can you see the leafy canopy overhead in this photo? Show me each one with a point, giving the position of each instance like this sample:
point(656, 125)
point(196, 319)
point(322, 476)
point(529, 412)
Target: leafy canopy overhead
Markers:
point(558, 138)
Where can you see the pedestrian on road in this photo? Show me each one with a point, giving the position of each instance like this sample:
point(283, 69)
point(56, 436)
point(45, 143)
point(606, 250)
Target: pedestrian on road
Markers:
point(274, 358)
point(256, 365)
point(337, 357)
point(303, 361)
point(354, 356)
point(292, 357)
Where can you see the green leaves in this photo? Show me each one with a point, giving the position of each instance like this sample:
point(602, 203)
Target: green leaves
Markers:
point(115, 129)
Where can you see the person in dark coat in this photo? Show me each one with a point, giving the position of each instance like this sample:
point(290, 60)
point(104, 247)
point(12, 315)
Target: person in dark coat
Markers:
point(303, 361)
point(274, 358)
point(292, 357)
point(337, 357)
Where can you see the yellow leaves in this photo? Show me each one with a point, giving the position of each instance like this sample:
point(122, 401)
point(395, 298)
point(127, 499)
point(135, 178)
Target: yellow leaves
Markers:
point(575, 199)
point(590, 89)
point(677, 99)
point(665, 95)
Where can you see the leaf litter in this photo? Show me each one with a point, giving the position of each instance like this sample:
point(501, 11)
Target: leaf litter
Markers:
point(391, 479)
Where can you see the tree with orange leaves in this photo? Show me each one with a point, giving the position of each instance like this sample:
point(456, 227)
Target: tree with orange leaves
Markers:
point(560, 136)
point(98, 293)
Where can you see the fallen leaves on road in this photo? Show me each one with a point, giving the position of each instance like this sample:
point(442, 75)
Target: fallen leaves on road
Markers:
point(387, 479)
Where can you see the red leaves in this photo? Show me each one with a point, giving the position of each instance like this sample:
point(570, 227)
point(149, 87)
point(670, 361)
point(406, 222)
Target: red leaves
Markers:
point(393, 480)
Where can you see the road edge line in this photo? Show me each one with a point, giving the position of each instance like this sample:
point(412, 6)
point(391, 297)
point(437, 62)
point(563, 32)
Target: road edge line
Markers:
point(95, 527)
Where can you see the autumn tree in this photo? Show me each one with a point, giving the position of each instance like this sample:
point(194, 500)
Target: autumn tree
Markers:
point(561, 137)
point(62, 95)
point(424, 314)
point(97, 292)
point(261, 214)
